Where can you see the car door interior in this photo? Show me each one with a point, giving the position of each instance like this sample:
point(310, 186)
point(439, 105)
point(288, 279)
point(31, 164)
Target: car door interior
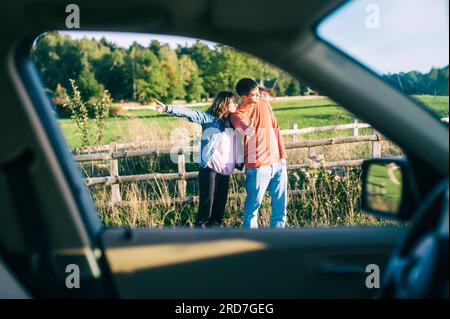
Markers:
point(291, 263)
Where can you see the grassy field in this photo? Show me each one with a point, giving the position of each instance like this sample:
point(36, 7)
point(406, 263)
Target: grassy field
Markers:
point(143, 125)
point(331, 197)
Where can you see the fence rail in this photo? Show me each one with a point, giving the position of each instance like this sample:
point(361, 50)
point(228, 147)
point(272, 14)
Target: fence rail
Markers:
point(306, 130)
point(117, 151)
point(112, 180)
point(188, 150)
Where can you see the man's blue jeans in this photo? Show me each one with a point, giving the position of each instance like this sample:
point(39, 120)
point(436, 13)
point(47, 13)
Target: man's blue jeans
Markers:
point(257, 180)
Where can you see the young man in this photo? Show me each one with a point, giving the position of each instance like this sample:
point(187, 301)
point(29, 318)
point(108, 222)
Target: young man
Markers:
point(264, 155)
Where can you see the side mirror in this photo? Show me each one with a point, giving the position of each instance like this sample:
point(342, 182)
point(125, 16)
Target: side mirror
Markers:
point(388, 189)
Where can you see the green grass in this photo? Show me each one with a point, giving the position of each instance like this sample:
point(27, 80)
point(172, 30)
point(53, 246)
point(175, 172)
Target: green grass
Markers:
point(439, 104)
point(149, 125)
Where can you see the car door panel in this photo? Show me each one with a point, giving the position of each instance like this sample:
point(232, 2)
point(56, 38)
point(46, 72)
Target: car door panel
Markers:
point(291, 263)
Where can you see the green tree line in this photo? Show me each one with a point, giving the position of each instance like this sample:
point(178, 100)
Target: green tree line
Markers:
point(434, 82)
point(143, 74)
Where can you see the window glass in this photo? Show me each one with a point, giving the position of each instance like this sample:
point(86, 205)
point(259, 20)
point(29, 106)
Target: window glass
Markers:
point(141, 166)
point(406, 42)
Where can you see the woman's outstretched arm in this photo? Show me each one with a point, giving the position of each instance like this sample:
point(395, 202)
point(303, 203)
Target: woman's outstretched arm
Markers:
point(195, 116)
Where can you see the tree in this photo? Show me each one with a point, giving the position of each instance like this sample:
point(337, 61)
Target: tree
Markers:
point(169, 61)
point(114, 70)
point(155, 46)
point(58, 58)
point(283, 81)
point(202, 55)
point(194, 89)
point(192, 82)
point(108, 44)
point(151, 79)
point(88, 85)
point(226, 68)
point(293, 88)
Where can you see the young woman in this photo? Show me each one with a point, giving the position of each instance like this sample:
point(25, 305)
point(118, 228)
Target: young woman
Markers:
point(218, 154)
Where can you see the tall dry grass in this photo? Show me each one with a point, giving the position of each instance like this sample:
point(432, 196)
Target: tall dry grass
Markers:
point(329, 198)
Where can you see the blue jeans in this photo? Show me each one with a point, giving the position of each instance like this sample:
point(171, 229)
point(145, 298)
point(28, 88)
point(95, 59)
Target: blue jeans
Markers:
point(257, 180)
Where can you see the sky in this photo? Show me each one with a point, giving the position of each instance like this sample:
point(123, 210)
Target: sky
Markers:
point(410, 34)
point(124, 39)
point(389, 36)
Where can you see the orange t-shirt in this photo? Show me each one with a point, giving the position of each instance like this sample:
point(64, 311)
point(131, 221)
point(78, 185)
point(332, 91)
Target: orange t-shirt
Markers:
point(266, 147)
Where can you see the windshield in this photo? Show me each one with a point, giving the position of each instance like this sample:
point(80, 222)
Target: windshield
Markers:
point(406, 42)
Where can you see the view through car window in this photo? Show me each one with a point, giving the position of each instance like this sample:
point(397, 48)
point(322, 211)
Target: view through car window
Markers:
point(139, 113)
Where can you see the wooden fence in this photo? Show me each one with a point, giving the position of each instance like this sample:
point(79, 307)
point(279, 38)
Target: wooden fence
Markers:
point(128, 150)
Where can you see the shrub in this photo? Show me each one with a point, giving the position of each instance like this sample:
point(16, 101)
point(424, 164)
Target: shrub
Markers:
point(101, 114)
point(117, 109)
point(81, 111)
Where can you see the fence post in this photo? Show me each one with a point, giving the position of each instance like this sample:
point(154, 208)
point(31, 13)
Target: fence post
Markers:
point(376, 145)
point(181, 169)
point(294, 127)
point(355, 129)
point(114, 171)
point(312, 153)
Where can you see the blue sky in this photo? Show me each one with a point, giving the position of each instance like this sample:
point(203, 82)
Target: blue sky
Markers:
point(412, 34)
